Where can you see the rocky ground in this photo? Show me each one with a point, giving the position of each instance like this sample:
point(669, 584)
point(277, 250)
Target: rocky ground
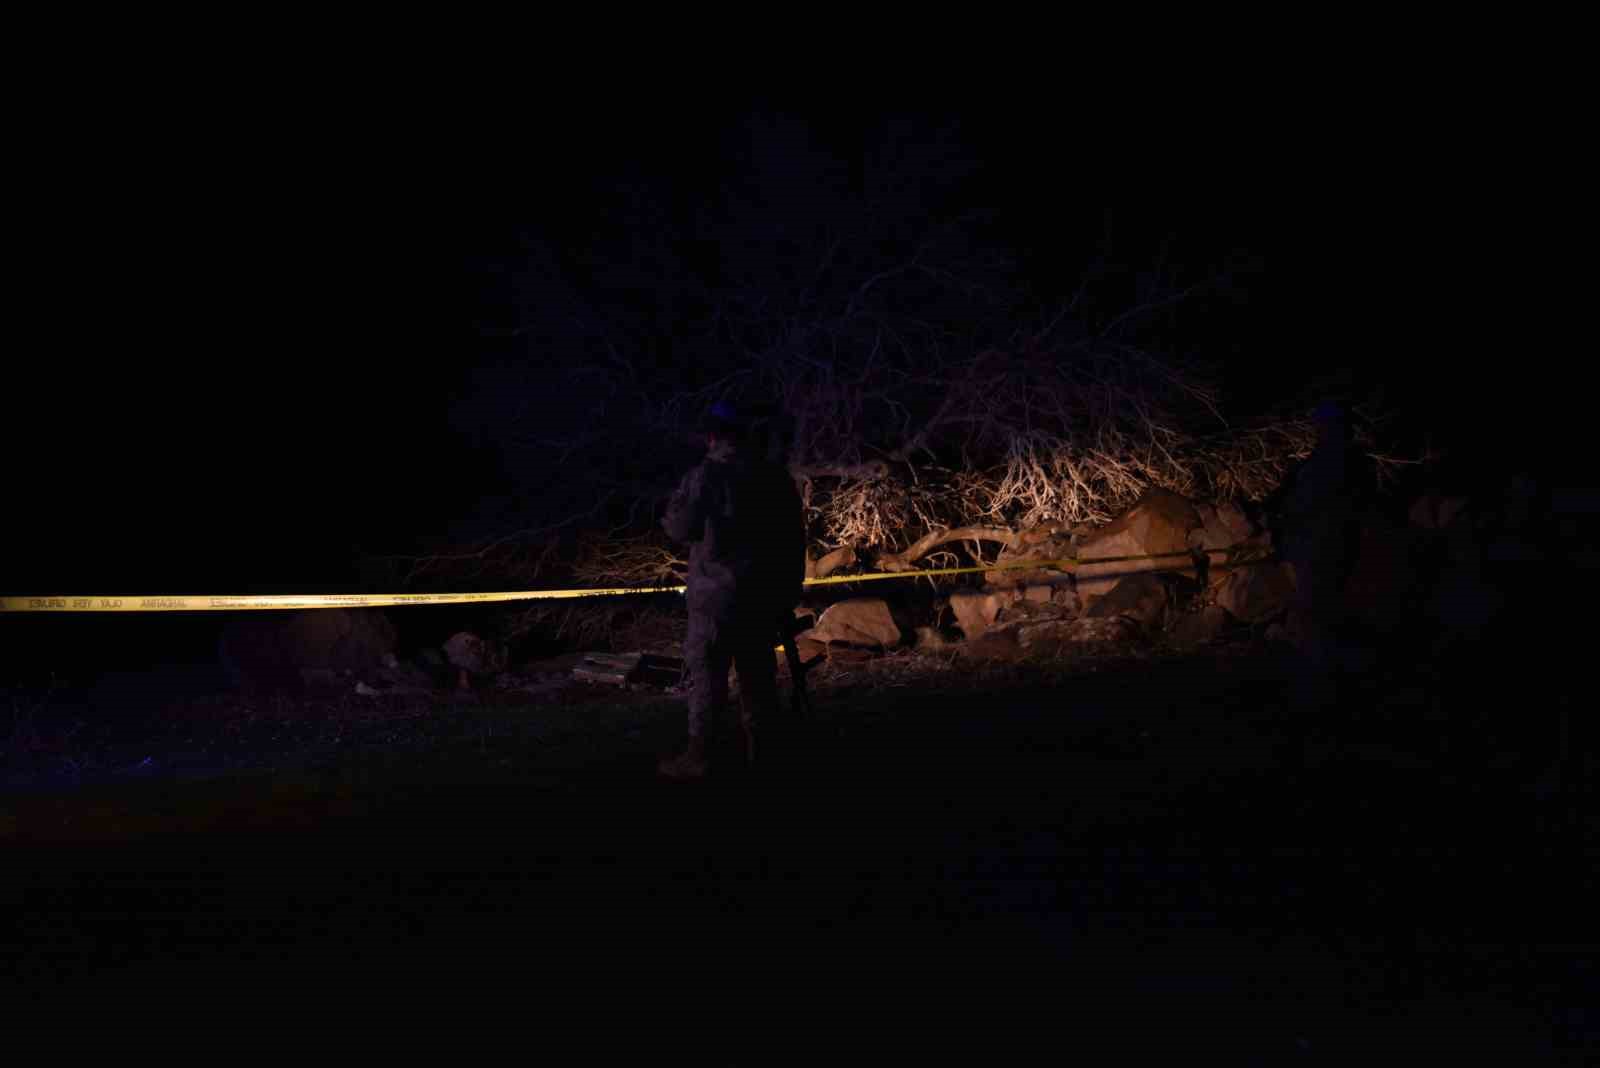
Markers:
point(1122, 848)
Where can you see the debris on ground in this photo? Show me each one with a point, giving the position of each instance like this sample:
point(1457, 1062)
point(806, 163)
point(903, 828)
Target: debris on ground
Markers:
point(629, 669)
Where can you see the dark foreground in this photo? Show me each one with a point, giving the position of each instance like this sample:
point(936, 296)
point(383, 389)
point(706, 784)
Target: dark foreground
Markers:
point(1121, 860)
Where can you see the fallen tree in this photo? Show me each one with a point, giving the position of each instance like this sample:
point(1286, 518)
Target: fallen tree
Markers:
point(935, 407)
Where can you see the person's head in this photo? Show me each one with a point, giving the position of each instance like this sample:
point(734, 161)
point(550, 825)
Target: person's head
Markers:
point(753, 429)
point(1331, 419)
point(723, 423)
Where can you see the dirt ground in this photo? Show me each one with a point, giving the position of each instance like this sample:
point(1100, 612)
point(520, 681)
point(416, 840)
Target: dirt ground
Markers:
point(1148, 851)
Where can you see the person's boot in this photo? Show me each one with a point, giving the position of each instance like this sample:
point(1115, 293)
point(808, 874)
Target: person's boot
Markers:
point(688, 766)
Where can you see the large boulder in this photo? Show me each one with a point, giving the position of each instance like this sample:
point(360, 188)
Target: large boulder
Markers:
point(291, 651)
point(1256, 592)
point(1220, 565)
point(1061, 592)
point(1226, 521)
point(977, 610)
point(1158, 525)
point(858, 621)
point(808, 647)
point(1223, 526)
point(1045, 546)
point(1029, 612)
point(1141, 599)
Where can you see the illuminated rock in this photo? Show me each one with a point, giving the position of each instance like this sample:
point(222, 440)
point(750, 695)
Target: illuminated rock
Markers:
point(809, 648)
point(1157, 526)
point(858, 621)
point(977, 610)
point(1256, 592)
point(1223, 526)
point(1141, 599)
point(1045, 545)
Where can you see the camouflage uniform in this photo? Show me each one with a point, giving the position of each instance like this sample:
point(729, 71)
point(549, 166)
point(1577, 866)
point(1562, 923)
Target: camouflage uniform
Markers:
point(1320, 539)
point(741, 516)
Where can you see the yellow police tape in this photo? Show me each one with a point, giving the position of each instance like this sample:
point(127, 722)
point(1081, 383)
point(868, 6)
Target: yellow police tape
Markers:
point(245, 602)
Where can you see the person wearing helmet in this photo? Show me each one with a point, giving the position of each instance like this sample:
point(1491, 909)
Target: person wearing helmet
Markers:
point(741, 516)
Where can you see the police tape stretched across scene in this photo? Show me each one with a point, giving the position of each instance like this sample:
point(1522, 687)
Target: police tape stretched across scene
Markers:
point(249, 602)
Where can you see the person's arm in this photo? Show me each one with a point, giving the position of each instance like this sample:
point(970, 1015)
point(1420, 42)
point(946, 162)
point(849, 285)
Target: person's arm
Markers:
point(685, 519)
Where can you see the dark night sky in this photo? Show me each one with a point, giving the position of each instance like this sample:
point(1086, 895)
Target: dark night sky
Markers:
point(236, 387)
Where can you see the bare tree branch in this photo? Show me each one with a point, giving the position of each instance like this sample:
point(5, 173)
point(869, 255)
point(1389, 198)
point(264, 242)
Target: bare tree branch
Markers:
point(923, 545)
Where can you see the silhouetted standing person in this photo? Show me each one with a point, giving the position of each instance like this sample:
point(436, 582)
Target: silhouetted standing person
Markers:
point(1321, 538)
point(741, 516)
